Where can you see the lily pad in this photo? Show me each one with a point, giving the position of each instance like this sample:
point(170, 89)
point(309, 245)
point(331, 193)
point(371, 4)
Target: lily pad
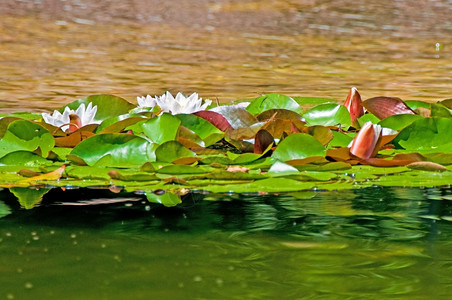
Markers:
point(171, 151)
point(328, 115)
point(204, 129)
point(298, 146)
point(426, 135)
point(116, 149)
point(273, 101)
point(26, 135)
point(398, 122)
point(162, 129)
point(107, 106)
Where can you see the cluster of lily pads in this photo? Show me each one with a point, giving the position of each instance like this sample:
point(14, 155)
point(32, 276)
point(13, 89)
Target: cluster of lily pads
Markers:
point(169, 146)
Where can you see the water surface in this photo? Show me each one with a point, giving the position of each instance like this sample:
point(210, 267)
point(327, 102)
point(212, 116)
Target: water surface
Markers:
point(372, 243)
point(53, 52)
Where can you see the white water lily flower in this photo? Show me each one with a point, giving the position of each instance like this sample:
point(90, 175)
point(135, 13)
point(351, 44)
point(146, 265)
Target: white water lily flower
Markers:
point(147, 101)
point(81, 115)
point(178, 105)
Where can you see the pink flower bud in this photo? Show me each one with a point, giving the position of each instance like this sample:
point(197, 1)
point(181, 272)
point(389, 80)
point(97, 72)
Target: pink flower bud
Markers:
point(366, 143)
point(354, 105)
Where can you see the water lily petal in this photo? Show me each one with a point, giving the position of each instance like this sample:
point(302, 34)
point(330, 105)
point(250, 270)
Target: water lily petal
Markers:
point(366, 142)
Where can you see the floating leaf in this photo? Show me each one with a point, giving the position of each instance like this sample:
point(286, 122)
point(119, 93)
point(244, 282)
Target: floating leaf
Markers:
point(117, 149)
point(328, 115)
point(189, 138)
point(236, 116)
point(25, 159)
point(282, 169)
point(26, 135)
point(280, 127)
point(439, 110)
point(215, 119)
point(308, 102)
point(171, 151)
point(4, 123)
point(162, 128)
point(383, 107)
point(53, 175)
point(340, 139)
point(447, 103)
point(118, 124)
point(74, 138)
point(298, 146)
point(273, 101)
point(321, 133)
point(131, 176)
point(426, 135)
point(398, 122)
point(203, 128)
point(279, 114)
point(262, 141)
point(427, 166)
point(368, 118)
point(415, 104)
point(107, 106)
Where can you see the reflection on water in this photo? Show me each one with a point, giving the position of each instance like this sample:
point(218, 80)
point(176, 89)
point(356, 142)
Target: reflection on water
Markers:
point(55, 51)
point(371, 243)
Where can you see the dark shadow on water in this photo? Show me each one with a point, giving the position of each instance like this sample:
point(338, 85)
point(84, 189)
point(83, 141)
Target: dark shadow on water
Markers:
point(376, 212)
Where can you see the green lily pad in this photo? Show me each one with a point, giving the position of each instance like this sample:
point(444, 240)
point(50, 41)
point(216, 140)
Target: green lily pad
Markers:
point(413, 104)
point(162, 129)
point(340, 139)
point(368, 118)
point(204, 129)
point(273, 101)
point(26, 135)
point(328, 115)
point(116, 149)
point(439, 110)
point(310, 101)
point(398, 122)
point(107, 106)
point(426, 135)
point(298, 146)
point(25, 159)
point(171, 151)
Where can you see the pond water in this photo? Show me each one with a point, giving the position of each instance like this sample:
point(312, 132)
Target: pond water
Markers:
point(369, 243)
